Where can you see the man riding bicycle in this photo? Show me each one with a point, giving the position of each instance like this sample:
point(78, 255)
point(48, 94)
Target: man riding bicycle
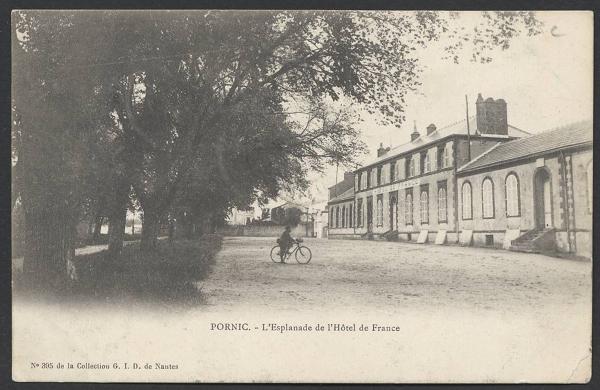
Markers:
point(285, 242)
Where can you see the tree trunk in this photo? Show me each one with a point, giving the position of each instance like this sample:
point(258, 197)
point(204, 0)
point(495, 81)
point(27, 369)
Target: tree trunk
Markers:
point(150, 230)
point(49, 249)
point(116, 233)
point(117, 220)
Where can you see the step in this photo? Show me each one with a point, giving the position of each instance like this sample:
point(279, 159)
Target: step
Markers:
point(524, 248)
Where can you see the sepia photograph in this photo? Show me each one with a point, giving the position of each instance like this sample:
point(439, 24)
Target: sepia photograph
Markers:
point(301, 196)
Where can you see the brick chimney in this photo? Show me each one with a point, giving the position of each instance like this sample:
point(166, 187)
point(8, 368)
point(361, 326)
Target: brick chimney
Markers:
point(431, 128)
point(491, 116)
point(381, 150)
point(415, 134)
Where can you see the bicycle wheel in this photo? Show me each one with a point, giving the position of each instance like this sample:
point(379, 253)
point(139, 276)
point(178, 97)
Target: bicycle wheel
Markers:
point(303, 255)
point(275, 254)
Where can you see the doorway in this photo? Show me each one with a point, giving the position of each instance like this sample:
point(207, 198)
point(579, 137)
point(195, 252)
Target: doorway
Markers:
point(542, 200)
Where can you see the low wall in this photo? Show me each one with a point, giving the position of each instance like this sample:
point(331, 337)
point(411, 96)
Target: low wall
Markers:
point(264, 231)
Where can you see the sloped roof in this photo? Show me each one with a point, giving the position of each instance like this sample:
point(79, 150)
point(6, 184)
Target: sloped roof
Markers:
point(346, 195)
point(459, 127)
point(576, 134)
point(342, 186)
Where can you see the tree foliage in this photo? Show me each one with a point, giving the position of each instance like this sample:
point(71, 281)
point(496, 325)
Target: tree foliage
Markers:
point(186, 112)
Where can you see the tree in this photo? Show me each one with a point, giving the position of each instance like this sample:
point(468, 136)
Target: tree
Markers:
point(168, 90)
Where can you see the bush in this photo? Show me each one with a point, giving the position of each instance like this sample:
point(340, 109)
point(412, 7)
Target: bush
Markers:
point(165, 276)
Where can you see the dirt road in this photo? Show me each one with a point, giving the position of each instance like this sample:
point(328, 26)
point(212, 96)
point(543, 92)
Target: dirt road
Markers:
point(389, 276)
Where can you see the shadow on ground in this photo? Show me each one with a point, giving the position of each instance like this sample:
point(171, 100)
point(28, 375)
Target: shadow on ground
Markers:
point(166, 276)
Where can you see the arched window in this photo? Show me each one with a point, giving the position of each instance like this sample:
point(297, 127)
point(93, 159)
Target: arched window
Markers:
point(424, 207)
point(467, 203)
point(590, 186)
point(487, 198)
point(343, 216)
point(408, 209)
point(442, 203)
point(513, 206)
point(379, 212)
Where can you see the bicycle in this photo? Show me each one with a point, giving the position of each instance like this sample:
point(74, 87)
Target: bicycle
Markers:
point(302, 253)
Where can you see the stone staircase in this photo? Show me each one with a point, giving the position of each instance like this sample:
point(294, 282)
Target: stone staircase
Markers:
point(535, 241)
point(390, 235)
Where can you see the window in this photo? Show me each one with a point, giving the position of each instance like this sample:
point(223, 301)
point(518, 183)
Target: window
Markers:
point(489, 240)
point(590, 186)
point(364, 178)
point(393, 171)
point(426, 162)
point(337, 217)
point(368, 173)
point(358, 182)
point(447, 159)
point(359, 213)
point(350, 216)
point(513, 207)
point(343, 216)
point(433, 156)
point(467, 201)
point(379, 178)
point(380, 210)
point(487, 197)
point(424, 205)
point(374, 180)
point(417, 166)
point(411, 167)
point(331, 218)
point(442, 202)
point(408, 208)
point(400, 170)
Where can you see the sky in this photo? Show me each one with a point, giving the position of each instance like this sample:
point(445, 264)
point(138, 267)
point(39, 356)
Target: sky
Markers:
point(546, 80)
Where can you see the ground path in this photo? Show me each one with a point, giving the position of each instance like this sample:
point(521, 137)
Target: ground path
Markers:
point(374, 275)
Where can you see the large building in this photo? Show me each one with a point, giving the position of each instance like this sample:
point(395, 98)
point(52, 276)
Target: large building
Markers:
point(415, 191)
point(532, 194)
point(410, 190)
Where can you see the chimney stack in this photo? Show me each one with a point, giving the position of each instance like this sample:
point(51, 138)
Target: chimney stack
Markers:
point(381, 150)
point(415, 134)
point(491, 116)
point(431, 128)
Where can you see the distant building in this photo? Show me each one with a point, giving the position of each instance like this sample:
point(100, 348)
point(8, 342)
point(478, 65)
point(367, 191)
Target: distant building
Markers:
point(340, 208)
point(240, 216)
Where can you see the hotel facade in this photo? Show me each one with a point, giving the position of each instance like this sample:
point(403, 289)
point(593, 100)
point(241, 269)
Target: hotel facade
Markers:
point(417, 192)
